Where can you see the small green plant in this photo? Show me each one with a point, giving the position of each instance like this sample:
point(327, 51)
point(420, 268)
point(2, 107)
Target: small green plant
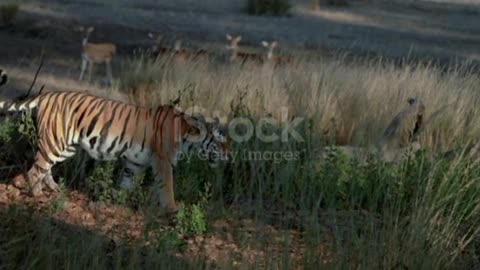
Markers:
point(163, 239)
point(8, 12)
point(102, 186)
point(7, 130)
point(268, 7)
point(60, 201)
point(191, 220)
point(28, 128)
point(101, 183)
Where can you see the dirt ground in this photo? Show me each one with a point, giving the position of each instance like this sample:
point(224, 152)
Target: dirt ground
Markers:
point(219, 247)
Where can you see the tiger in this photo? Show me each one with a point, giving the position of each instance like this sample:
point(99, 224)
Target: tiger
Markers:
point(3, 77)
point(110, 130)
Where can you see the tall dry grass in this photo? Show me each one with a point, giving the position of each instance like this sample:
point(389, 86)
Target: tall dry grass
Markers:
point(420, 213)
point(354, 100)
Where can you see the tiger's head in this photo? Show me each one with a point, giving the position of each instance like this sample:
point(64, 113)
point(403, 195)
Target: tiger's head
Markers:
point(209, 139)
point(3, 77)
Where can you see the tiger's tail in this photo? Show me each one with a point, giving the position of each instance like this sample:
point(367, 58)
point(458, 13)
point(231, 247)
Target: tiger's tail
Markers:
point(15, 106)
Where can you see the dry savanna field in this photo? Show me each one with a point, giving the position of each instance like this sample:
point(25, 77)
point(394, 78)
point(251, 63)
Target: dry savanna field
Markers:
point(354, 129)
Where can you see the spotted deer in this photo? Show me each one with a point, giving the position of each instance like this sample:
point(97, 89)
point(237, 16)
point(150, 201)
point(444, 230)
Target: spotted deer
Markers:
point(3, 77)
point(237, 55)
point(177, 52)
point(270, 57)
point(95, 53)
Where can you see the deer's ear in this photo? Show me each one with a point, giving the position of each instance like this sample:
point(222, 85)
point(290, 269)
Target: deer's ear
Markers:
point(228, 36)
point(80, 28)
point(274, 44)
point(265, 44)
point(150, 35)
point(90, 29)
point(238, 38)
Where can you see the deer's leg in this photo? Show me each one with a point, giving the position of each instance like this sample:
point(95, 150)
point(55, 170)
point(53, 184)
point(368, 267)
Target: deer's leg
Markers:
point(84, 66)
point(90, 70)
point(109, 72)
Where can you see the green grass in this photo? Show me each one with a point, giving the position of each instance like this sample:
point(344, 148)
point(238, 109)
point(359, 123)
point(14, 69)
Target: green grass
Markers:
point(420, 213)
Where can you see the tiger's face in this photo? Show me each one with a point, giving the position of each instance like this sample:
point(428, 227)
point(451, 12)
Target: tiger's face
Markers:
point(215, 146)
point(211, 141)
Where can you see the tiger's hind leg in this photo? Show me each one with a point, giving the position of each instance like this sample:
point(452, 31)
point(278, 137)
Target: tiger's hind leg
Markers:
point(50, 182)
point(48, 178)
point(37, 174)
point(41, 173)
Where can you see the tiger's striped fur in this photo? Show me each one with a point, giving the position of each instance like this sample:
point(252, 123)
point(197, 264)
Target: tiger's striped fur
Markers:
point(108, 130)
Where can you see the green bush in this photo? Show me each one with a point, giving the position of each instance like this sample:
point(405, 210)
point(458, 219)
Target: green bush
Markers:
point(191, 220)
point(60, 200)
point(7, 130)
point(101, 183)
point(8, 13)
point(268, 7)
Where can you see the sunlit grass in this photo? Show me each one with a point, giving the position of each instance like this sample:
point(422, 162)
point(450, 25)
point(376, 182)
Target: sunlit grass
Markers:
point(420, 213)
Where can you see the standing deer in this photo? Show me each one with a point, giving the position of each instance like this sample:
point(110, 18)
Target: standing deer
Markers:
point(177, 52)
point(3, 77)
point(96, 53)
point(270, 57)
point(241, 56)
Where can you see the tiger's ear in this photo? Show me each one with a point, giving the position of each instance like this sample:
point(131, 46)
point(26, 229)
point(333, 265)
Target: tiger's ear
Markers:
point(222, 126)
point(197, 128)
point(216, 121)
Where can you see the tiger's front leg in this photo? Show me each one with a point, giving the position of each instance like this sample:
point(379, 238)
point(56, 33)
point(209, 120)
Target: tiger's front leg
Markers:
point(163, 172)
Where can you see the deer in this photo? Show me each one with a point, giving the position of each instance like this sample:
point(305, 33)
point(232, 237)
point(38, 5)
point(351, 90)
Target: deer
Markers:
point(388, 146)
point(96, 53)
point(274, 59)
point(241, 56)
point(3, 77)
point(177, 52)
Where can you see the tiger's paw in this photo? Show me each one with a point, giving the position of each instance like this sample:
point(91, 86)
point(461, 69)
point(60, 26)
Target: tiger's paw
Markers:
point(36, 190)
point(170, 213)
point(19, 181)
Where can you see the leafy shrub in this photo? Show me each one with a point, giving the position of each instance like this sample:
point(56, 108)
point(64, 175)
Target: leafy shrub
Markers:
point(101, 183)
point(268, 7)
point(191, 220)
point(7, 130)
point(161, 239)
point(60, 200)
point(102, 186)
point(28, 128)
point(8, 13)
